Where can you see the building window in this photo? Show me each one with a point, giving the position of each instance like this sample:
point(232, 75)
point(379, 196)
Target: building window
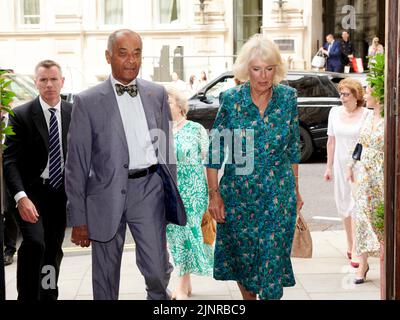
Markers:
point(113, 11)
point(169, 11)
point(30, 11)
point(248, 20)
point(285, 45)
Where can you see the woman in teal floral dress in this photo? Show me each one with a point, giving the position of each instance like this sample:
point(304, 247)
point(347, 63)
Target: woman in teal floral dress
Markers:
point(255, 203)
point(190, 254)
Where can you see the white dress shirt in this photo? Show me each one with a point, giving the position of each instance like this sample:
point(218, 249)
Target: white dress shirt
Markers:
point(47, 114)
point(141, 151)
point(330, 47)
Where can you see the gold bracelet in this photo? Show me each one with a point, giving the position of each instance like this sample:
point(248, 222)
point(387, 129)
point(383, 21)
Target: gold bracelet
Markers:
point(213, 190)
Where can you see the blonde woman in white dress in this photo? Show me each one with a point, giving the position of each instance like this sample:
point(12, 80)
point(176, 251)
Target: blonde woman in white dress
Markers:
point(344, 126)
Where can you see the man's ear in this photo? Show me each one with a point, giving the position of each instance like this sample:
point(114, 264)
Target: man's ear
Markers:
point(108, 56)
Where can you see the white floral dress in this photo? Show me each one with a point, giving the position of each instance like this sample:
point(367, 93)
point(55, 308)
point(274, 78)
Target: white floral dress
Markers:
point(369, 185)
point(189, 252)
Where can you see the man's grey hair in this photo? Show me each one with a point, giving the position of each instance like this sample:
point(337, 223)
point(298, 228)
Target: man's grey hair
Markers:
point(47, 64)
point(113, 36)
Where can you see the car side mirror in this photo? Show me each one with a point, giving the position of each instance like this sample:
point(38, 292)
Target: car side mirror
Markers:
point(203, 98)
point(206, 100)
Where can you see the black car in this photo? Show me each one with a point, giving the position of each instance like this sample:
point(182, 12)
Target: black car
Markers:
point(316, 92)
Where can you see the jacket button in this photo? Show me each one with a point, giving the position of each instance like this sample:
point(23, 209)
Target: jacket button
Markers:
point(126, 166)
point(123, 191)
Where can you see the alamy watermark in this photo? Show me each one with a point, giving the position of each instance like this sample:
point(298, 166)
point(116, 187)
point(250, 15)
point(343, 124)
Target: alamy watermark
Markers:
point(349, 20)
point(49, 277)
point(227, 146)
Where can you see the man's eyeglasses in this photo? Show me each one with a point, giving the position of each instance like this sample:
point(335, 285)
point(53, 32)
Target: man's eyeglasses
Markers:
point(344, 94)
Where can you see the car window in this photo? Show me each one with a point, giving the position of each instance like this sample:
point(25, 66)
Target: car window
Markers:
point(22, 90)
point(313, 86)
point(223, 85)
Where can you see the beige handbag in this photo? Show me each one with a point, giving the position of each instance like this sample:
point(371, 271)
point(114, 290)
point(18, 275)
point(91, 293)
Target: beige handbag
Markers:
point(302, 241)
point(208, 228)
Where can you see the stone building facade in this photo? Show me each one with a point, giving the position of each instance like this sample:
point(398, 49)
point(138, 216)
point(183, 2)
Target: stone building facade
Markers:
point(185, 36)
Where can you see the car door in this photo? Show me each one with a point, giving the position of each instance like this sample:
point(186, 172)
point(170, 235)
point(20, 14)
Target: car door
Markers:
point(317, 94)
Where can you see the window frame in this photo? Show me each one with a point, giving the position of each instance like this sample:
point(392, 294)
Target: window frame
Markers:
point(157, 15)
point(102, 15)
point(22, 15)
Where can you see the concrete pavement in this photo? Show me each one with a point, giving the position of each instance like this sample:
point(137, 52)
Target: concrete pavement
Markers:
point(326, 276)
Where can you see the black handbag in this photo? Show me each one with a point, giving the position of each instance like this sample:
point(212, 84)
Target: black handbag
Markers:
point(357, 152)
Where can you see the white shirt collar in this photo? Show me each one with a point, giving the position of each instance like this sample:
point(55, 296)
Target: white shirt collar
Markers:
point(45, 106)
point(114, 81)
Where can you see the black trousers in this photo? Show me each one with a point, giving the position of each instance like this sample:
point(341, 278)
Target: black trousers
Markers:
point(2, 279)
point(10, 225)
point(40, 253)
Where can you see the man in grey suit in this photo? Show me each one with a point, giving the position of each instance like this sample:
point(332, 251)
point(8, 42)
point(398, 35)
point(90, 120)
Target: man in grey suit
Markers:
point(116, 175)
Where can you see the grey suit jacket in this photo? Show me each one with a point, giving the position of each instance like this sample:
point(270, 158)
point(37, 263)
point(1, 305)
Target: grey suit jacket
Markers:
point(96, 170)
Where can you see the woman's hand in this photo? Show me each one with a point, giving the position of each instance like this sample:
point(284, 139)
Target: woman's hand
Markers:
point(350, 174)
point(328, 174)
point(216, 207)
point(300, 202)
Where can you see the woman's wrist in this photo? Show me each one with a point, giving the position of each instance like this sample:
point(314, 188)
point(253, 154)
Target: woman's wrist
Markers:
point(213, 191)
point(351, 164)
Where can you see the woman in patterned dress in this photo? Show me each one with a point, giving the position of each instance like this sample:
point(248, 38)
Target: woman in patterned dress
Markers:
point(256, 199)
point(368, 176)
point(190, 254)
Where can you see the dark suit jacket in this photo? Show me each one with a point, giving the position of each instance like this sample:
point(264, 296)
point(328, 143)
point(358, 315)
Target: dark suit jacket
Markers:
point(347, 49)
point(26, 154)
point(334, 60)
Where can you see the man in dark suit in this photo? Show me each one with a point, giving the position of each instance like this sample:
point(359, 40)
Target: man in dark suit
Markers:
point(347, 49)
point(117, 175)
point(333, 51)
point(33, 170)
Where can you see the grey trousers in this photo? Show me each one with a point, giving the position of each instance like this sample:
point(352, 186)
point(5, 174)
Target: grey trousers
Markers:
point(144, 215)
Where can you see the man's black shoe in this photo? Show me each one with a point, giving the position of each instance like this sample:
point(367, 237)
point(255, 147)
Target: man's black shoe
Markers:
point(8, 259)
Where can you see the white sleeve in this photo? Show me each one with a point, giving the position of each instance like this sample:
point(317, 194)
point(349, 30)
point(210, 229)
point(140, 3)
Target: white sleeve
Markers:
point(19, 196)
point(331, 119)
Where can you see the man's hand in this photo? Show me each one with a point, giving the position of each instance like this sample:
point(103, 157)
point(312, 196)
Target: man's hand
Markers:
point(80, 237)
point(27, 210)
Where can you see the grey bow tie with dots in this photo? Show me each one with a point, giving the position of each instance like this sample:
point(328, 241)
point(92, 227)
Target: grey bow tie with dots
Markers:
point(131, 89)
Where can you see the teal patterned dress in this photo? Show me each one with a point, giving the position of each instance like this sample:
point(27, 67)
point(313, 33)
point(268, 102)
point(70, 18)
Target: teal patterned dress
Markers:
point(253, 246)
point(189, 253)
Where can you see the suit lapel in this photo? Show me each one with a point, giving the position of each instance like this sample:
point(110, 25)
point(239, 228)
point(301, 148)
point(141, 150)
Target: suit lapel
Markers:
point(146, 95)
point(65, 120)
point(40, 122)
point(112, 110)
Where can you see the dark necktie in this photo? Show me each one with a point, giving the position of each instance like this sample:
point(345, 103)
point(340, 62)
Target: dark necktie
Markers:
point(131, 89)
point(55, 172)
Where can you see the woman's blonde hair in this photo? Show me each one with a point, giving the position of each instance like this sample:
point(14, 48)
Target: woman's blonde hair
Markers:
point(259, 46)
point(180, 99)
point(356, 89)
